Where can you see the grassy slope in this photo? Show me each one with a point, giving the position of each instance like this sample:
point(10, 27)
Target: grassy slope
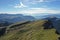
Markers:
point(31, 31)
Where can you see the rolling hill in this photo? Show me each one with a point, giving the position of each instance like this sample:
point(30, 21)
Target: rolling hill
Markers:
point(7, 19)
point(13, 18)
point(29, 31)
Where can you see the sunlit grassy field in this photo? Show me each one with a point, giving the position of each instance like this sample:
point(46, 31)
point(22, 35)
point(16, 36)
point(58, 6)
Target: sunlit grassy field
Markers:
point(30, 31)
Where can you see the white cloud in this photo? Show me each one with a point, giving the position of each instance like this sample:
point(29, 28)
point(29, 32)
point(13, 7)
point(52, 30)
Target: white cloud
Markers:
point(39, 11)
point(42, 10)
point(41, 1)
point(32, 11)
point(46, 0)
point(20, 5)
point(36, 1)
point(26, 3)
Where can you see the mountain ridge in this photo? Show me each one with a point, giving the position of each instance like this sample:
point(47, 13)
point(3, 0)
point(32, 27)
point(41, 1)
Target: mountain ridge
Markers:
point(30, 31)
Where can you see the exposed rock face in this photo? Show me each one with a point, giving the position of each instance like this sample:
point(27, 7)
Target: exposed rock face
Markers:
point(53, 22)
point(2, 31)
point(48, 25)
point(58, 38)
point(56, 25)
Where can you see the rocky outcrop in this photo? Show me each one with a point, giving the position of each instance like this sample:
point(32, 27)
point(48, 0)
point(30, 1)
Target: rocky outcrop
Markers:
point(53, 22)
point(56, 25)
point(2, 31)
point(48, 25)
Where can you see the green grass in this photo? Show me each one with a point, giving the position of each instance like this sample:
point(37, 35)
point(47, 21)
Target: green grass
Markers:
point(31, 31)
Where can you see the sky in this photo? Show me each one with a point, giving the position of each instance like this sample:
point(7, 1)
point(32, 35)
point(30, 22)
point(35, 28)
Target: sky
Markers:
point(30, 6)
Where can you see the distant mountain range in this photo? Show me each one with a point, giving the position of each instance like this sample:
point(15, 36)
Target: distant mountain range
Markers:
point(13, 18)
point(42, 16)
point(7, 19)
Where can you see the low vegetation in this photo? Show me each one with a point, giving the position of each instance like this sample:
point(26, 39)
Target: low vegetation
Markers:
point(29, 31)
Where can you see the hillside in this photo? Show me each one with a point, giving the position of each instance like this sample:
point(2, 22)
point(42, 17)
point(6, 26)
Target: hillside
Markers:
point(13, 18)
point(29, 31)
